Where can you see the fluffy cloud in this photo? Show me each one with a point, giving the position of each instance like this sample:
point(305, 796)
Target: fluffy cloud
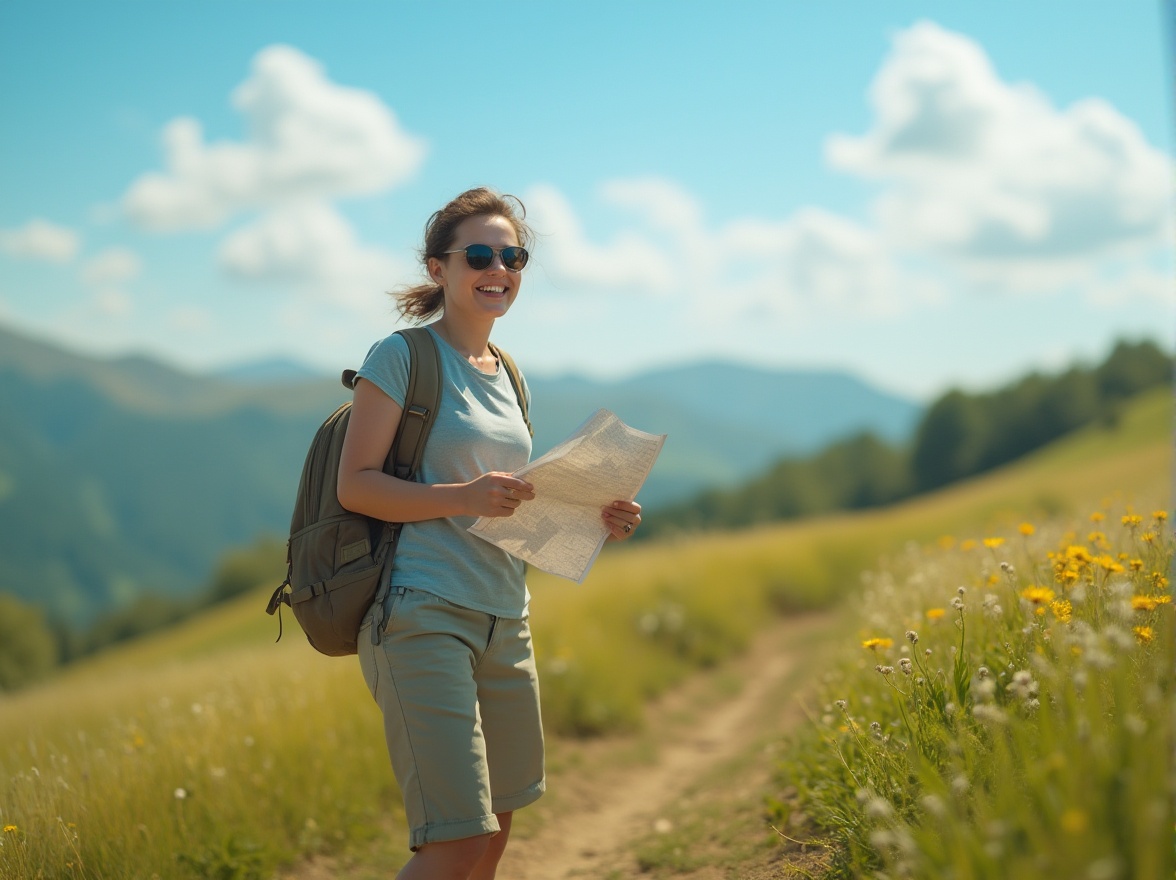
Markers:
point(991, 175)
point(570, 258)
point(312, 246)
point(112, 266)
point(813, 261)
point(308, 138)
point(41, 240)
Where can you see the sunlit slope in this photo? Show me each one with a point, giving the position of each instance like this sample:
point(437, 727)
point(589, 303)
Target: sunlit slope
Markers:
point(1131, 461)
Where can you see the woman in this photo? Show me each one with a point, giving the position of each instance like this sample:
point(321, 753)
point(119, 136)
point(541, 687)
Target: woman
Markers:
point(454, 671)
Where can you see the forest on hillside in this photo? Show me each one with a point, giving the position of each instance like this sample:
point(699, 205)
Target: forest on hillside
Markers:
point(960, 435)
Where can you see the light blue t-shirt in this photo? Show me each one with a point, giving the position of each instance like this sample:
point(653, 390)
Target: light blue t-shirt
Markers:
point(479, 428)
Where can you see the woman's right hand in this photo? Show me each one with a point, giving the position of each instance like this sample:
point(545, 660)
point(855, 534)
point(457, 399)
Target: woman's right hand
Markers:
point(496, 494)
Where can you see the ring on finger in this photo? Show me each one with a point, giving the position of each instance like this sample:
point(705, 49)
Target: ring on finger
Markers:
point(628, 528)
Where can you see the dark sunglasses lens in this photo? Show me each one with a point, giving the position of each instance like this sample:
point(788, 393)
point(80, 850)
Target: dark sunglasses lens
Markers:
point(479, 256)
point(515, 257)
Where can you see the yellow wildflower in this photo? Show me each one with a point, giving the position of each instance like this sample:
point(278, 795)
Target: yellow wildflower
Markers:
point(1098, 516)
point(1062, 609)
point(993, 579)
point(1038, 595)
point(1026, 529)
point(1159, 515)
point(1144, 634)
point(935, 613)
point(967, 545)
point(1136, 564)
point(993, 543)
point(1096, 538)
point(1147, 537)
point(1143, 603)
point(1108, 564)
point(10, 829)
point(1079, 554)
point(875, 643)
point(1040, 612)
point(1131, 520)
point(1160, 583)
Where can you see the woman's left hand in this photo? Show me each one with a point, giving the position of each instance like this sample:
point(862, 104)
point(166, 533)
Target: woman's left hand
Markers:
point(622, 519)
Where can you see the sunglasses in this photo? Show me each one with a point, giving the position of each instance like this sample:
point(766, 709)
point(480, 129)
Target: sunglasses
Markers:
point(480, 256)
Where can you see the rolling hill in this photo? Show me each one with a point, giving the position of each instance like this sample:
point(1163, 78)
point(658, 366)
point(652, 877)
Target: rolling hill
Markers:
point(125, 476)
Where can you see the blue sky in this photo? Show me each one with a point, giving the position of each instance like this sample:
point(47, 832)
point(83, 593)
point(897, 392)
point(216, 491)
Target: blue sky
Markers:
point(924, 194)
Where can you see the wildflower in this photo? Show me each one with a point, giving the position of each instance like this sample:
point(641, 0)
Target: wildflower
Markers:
point(875, 643)
point(876, 729)
point(1037, 595)
point(840, 704)
point(1078, 553)
point(1160, 583)
point(1159, 515)
point(1144, 634)
point(967, 545)
point(885, 670)
point(988, 712)
point(1005, 567)
point(1062, 610)
point(1023, 686)
point(1148, 537)
point(982, 672)
point(993, 543)
point(1144, 603)
point(1026, 529)
point(957, 603)
point(1097, 517)
point(1108, 564)
point(10, 829)
point(180, 794)
point(926, 652)
point(1136, 564)
point(905, 665)
point(1131, 520)
point(912, 637)
point(1096, 538)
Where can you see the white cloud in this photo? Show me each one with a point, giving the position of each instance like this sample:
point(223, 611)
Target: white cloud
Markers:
point(811, 262)
point(308, 138)
point(312, 247)
point(570, 258)
point(112, 266)
point(41, 240)
point(112, 302)
point(992, 176)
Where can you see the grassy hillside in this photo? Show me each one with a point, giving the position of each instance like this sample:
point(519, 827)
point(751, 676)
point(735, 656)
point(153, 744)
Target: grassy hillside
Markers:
point(208, 749)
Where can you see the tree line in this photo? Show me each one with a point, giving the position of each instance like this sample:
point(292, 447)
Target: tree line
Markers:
point(960, 435)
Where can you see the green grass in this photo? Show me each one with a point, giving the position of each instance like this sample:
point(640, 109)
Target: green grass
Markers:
point(207, 751)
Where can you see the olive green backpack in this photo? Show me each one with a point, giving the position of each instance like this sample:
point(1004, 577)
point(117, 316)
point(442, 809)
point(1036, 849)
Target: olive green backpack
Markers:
point(337, 561)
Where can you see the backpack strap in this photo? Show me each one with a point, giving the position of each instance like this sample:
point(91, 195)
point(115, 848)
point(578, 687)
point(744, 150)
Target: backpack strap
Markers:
point(422, 401)
point(516, 380)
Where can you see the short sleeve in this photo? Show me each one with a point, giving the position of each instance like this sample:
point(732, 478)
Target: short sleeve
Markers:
point(386, 367)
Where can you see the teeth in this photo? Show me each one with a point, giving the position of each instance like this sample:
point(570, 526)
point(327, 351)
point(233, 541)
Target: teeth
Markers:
point(492, 289)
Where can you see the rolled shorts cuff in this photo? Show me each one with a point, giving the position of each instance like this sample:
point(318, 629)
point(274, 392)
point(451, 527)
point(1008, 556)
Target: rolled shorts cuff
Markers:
point(440, 832)
point(517, 801)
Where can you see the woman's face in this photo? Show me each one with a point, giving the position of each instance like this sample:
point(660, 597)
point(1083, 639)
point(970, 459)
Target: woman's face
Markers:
point(478, 293)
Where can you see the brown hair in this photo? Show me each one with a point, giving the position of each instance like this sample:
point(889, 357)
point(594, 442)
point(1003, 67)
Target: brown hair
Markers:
point(423, 301)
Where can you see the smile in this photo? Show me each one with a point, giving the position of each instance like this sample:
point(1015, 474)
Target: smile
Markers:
point(493, 290)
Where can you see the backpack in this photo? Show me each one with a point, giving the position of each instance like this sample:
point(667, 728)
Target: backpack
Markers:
point(338, 561)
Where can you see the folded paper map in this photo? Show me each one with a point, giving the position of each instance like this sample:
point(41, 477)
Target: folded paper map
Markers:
point(560, 531)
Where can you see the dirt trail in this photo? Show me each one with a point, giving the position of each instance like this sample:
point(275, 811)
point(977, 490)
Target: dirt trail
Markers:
point(602, 807)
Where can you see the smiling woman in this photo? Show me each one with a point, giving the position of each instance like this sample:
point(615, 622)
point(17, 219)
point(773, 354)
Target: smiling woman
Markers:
point(446, 648)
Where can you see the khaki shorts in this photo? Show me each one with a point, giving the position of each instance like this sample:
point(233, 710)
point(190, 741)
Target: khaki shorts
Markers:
point(460, 699)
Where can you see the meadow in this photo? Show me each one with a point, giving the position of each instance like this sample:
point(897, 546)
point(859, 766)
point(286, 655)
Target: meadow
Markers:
point(208, 751)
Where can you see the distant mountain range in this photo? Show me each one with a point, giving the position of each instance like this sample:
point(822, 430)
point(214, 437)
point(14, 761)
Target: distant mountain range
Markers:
point(123, 476)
